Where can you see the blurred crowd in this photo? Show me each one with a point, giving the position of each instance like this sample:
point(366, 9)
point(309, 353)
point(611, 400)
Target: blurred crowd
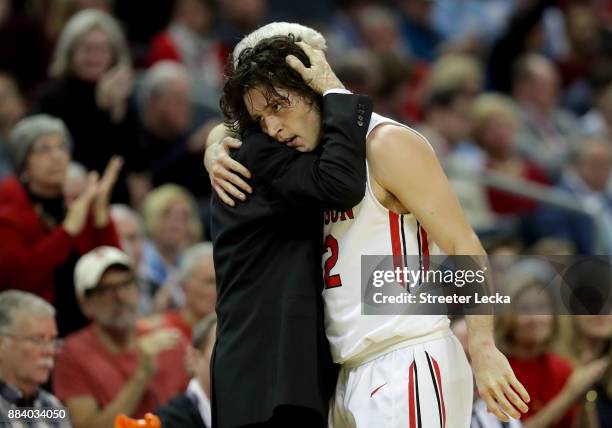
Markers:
point(105, 107)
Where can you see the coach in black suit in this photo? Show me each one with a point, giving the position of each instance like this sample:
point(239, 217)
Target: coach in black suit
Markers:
point(271, 364)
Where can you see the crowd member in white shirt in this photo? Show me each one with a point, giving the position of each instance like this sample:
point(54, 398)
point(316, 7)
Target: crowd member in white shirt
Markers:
point(192, 408)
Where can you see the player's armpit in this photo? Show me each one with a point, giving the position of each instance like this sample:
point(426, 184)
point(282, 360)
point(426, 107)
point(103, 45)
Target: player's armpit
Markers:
point(404, 164)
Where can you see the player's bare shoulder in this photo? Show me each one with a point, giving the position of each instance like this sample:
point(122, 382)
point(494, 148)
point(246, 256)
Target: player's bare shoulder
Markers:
point(391, 147)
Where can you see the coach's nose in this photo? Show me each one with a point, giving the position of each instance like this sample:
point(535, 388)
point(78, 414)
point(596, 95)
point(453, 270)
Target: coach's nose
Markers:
point(272, 126)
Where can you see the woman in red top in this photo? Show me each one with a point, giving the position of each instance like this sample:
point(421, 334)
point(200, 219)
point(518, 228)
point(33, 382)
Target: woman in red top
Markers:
point(494, 129)
point(526, 337)
point(41, 238)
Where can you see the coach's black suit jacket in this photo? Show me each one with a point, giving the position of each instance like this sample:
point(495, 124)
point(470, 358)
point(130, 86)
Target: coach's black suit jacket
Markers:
point(271, 347)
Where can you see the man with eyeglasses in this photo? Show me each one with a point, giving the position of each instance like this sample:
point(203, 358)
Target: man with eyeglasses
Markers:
point(111, 367)
point(28, 343)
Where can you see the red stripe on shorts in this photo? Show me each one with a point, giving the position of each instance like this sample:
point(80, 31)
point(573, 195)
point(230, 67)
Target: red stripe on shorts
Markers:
point(439, 380)
point(411, 397)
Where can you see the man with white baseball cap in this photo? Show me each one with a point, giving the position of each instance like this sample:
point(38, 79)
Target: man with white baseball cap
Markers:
point(110, 367)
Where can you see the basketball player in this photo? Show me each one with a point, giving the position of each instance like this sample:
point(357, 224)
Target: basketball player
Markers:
point(407, 371)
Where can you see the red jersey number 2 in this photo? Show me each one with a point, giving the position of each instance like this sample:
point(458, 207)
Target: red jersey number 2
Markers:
point(331, 281)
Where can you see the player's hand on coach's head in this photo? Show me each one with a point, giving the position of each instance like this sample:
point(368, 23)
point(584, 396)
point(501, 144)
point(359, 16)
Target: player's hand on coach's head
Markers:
point(319, 76)
point(225, 173)
point(497, 385)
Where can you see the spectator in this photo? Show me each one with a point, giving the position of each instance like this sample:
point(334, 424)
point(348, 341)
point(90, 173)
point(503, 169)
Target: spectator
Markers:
point(23, 51)
point(41, 237)
point(546, 132)
point(359, 72)
point(587, 179)
point(379, 31)
point(551, 247)
point(197, 278)
point(92, 82)
point(526, 337)
point(140, 31)
point(418, 32)
point(191, 41)
point(586, 339)
point(598, 121)
point(192, 409)
point(450, 72)
point(12, 109)
point(125, 371)
point(239, 18)
point(471, 25)
point(131, 230)
point(585, 49)
point(57, 14)
point(522, 33)
point(172, 224)
point(342, 32)
point(494, 129)
point(392, 95)
point(459, 72)
point(75, 183)
point(165, 103)
point(447, 121)
point(28, 343)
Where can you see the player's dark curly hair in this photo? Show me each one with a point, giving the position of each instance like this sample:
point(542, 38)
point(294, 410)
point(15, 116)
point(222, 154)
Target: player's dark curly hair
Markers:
point(264, 66)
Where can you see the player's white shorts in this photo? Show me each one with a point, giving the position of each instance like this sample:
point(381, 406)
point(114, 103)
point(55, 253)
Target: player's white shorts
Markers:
point(425, 385)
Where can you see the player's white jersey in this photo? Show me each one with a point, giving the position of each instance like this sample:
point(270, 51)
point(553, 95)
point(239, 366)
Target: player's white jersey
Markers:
point(370, 229)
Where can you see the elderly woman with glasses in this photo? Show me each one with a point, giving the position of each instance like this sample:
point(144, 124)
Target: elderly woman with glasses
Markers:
point(42, 237)
point(90, 88)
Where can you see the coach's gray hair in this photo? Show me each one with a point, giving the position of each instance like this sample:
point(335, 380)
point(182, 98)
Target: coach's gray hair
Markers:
point(28, 130)
point(155, 78)
point(192, 256)
point(13, 302)
point(79, 25)
point(201, 331)
point(300, 32)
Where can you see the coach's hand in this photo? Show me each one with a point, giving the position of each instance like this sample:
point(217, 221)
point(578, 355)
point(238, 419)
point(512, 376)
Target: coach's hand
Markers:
point(497, 384)
point(319, 76)
point(223, 171)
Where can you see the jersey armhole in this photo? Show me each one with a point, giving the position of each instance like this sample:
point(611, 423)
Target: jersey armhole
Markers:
point(375, 124)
